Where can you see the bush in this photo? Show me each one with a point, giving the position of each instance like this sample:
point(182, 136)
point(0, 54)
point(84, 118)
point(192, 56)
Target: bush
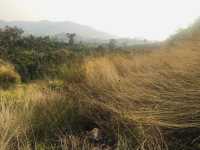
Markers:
point(8, 75)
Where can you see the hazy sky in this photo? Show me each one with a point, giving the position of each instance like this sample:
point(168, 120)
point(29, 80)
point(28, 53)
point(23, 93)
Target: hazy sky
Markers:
point(152, 19)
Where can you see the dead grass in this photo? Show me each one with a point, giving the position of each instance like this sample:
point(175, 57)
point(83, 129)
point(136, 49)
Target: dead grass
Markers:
point(8, 76)
point(159, 89)
point(142, 102)
point(143, 83)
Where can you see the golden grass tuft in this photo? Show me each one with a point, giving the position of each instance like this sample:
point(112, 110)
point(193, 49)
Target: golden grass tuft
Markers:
point(8, 75)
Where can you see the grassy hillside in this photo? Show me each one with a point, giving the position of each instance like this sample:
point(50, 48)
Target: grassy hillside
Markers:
point(144, 101)
point(139, 102)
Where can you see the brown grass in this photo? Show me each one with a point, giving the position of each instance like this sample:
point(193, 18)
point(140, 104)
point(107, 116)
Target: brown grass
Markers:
point(159, 89)
point(8, 75)
point(148, 84)
point(142, 102)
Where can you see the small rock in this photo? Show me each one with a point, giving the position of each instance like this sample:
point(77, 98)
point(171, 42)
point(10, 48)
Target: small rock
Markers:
point(96, 148)
point(95, 134)
point(106, 147)
point(102, 147)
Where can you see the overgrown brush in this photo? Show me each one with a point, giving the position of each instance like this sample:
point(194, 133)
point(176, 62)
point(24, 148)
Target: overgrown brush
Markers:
point(8, 76)
point(140, 102)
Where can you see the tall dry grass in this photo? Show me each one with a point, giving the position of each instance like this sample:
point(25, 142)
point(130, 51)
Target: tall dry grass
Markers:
point(157, 90)
point(144, 102)
point(8, 75)
point(150, 82)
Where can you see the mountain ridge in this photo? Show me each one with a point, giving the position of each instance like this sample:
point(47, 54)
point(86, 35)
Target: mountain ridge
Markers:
point(53, 28)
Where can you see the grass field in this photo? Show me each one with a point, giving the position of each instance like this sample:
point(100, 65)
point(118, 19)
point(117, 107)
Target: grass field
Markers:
point(142, 102)
point(146, 100)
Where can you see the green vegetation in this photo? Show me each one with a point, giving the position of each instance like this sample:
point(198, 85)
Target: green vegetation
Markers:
point(33, 57)
point(145, 100)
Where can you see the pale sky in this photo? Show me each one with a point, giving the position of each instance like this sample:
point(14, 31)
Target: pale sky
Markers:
point(151, 19)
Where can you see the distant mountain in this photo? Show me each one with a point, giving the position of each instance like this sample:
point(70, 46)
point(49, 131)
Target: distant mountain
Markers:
point(58, 29)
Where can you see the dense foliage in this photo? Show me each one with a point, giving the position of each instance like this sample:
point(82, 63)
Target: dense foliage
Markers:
point(32, 56)
point(39, 57)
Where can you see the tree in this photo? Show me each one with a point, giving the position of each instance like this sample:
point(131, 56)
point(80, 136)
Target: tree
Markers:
point(112, 44)
point(10, 36)
point(71, 37)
